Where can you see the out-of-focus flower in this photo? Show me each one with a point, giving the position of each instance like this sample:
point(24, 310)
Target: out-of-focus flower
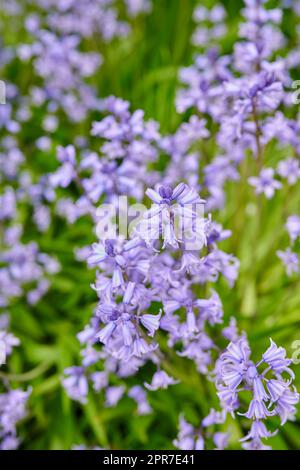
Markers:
point(290, 260)
point(161, 380)
point(265, 183)
point(293, 227)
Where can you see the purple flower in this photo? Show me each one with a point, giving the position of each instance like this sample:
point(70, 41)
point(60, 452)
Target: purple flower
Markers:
point(214, 417)
point(138, 394)
point(12, 409)
point(104, 251)
point(151, 323)
point(211, 309)
point(257, 410)
point(221, 440)
point(135, 7)
point(293, 227)
point(258, 431)
point(271, 393)
point(66, 173)
point(161, 380)
point(100, 380)
point(7, 204)
point(285, 405)
point(76, 384)
point(275, 357)
point(210, 25)
point(160, 220)
point(289, 169)
point(188, 438)
point(122, 323)
point(7, 342)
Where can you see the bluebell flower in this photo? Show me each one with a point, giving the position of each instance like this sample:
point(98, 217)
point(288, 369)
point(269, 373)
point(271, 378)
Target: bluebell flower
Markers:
point(290, 170)
point(160, 220)
point(290, 261)
point(76, 384)
point(293, 227)
point(161, 380)
point(271, 393)
point(114, 395)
